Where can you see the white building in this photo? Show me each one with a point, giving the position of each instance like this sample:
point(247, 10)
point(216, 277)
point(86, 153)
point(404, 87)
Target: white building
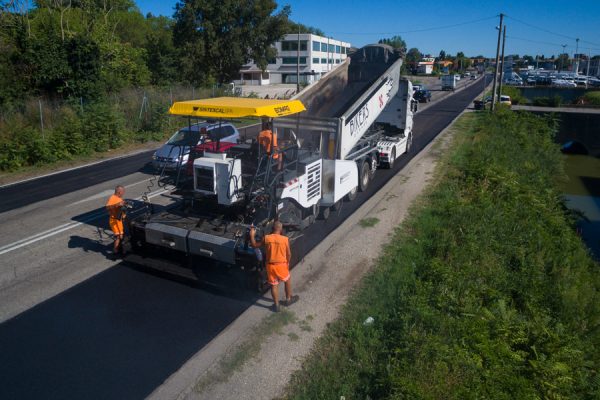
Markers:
point(316, 57)
point(425, 66)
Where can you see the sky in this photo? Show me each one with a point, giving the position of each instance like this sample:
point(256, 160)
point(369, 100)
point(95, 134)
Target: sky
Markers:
point(532, 26)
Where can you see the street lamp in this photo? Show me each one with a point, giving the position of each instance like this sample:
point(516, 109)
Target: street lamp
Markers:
point(561, 57)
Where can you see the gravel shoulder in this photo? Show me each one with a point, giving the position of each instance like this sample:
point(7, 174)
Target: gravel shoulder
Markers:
point(238, 364)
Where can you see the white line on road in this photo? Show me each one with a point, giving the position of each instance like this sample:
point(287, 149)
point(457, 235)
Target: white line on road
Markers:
point(62, 228)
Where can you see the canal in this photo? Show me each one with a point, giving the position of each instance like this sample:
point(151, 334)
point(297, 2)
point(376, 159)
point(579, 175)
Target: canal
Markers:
point(582, 194)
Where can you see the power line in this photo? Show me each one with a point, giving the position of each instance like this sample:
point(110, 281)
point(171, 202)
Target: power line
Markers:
point(418, 30)
point(546, 43)
point(549, 31)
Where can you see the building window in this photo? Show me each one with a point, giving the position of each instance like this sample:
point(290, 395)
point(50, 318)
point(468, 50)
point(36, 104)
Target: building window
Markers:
point(337, 61)
point(293, 60)
point(343, 50)
point(323, 46)
point(338, 49)
point(323, 61)
point(331, 61)
point(316, 46)
point(315, 60)
point(292, 45)
point(331, 48)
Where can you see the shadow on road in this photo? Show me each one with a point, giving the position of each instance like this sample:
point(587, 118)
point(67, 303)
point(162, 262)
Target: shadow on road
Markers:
point(100, 245)
point(121, 332)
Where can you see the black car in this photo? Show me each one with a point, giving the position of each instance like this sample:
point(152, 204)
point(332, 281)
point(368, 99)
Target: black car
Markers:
point(422, 95)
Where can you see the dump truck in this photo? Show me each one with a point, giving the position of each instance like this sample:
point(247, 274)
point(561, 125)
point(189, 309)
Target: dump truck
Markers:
point(333, 136)
point(448, 82)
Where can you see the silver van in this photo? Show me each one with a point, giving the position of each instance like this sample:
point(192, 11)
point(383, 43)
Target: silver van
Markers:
point(176, 151)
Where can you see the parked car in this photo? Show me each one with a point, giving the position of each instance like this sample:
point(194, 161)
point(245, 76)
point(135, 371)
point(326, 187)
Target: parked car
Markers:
point(422, 96)
point(504, 99)
point(417, 87)
point(175, 152)
point(473, 77)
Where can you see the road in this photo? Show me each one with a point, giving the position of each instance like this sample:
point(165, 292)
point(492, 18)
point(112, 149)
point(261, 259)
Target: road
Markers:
point(77, 325)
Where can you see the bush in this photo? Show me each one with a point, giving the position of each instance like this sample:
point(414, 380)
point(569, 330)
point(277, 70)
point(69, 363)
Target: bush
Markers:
point(103, 127)
point(592, 98)
point(515, 94)
point(555, 101)
point(486, 292)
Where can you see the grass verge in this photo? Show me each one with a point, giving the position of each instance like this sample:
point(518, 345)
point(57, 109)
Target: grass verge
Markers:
point(485, 291)
point(235, 359)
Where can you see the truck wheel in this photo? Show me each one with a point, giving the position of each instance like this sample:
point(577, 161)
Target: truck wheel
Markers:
point(408, 143)
point(324, 212)
point(336, 207)
point(392, 159)
point(352, 194)
point(365, 176)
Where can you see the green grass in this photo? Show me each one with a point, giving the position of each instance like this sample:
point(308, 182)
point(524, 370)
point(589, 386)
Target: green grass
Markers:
point(485, 292)
point(368, 222)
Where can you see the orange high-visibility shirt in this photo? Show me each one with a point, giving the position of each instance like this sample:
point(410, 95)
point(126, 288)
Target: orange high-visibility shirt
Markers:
point(113, 206)
point(268, 140)
point(277, 248)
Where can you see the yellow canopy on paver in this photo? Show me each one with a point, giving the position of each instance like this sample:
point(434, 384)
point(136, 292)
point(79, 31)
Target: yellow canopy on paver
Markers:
point(236, 107)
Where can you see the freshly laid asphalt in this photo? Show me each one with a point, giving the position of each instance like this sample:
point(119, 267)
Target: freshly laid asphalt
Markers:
point(123, 332)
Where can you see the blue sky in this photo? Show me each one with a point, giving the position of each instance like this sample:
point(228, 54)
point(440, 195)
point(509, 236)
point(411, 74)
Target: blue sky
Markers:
point(361, 22)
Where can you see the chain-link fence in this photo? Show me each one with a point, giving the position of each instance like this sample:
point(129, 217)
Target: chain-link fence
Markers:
point(45, 130)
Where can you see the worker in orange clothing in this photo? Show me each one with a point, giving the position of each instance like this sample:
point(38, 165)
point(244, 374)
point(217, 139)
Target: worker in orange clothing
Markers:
point(267, 138)
point(114, 206)
point(278, 256)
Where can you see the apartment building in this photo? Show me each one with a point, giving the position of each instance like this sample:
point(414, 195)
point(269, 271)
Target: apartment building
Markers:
point(307, 55)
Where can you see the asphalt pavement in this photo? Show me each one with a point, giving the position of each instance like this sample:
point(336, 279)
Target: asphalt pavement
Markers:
point(122, 332)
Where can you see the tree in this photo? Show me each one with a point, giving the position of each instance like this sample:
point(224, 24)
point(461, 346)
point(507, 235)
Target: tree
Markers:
point(395, 41)
point(161, 54)
point(216, 37)
point(413, 56)
point(442, 55)
point(295, 27)
point(562, 62)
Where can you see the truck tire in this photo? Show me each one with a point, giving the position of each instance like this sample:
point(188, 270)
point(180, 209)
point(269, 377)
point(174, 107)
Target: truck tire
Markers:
point(336, 206)
point(324, 213)
point(364, 177)
point(352, 194)
point(408, 143)
point(392, 159)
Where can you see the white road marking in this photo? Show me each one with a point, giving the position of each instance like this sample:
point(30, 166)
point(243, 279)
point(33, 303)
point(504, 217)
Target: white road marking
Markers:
point(62, 228)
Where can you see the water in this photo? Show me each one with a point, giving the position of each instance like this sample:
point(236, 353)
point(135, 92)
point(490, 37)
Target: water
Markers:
point(582, 192)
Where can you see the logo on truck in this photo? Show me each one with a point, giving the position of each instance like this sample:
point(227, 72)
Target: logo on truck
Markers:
point(282, 109)
point(361, 117)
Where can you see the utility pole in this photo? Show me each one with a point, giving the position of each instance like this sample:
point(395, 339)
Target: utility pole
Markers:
point(589, 61)
point(496, 69)
point(562, 58)
point(502, 69)
point(576, 57)
point(298, 62)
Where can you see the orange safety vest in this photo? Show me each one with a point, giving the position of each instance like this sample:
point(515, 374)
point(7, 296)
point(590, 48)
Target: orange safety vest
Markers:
point(276, 247)
point(113, 205)
point(268, 140)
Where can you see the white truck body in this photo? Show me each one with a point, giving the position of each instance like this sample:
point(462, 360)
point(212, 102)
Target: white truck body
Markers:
point(448, 82)
point(340, 127)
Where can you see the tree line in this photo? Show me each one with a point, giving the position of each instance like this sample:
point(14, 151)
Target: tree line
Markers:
point(87, 48)
point(85, 76)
